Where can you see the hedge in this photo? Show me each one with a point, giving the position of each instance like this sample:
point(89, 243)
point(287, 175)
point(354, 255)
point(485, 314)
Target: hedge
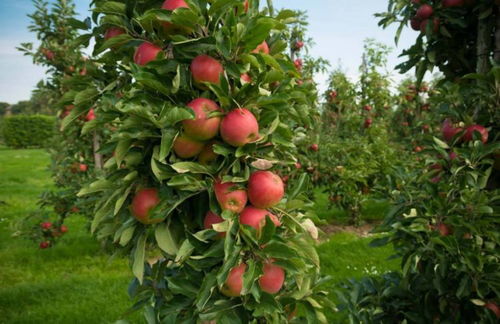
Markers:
point(23, 131)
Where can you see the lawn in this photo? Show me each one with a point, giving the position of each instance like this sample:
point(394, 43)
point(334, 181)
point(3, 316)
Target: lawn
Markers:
point(75, 282)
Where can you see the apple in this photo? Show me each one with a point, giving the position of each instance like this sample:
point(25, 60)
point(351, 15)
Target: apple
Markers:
point(246, 5)
point(83, 71)
point(75, 209)
point(405, 124)
point(415, 23)
point(333, 94)
point(425, 22)
point(418, 149)
point(299, 45)
point(426, 107)
point(367, 108)
point(298, 165)
point(174, 4)
point(90, 115)
point(449, 131)
point(207, 154)
point(494, 308)
point(444, 229)
point(83, 167)
point(230, 197)
point(202, 127)
point(256, 217)
point(469, 133)
point(145, 53)
point(452, 3)
point(234, 282)
point(368, 123)
point(300, 82)
point(211, 219)
point(298, 64)
point(425, 128)
point(453, 156)
point(272, 278)
point(314, 147)
point(46, 225)
point(424, 12)
point(262, 48)
point(245, 78)
point(206, 69)
point(186, 147)
point(239, 127)
point(265, 189)
point(63, 229)
point(143, 202)
point(113, 32)
point(49, 55)
point(44, 245)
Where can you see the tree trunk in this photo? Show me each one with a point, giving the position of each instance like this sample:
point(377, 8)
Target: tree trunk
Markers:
point(97, 156)
point(484, 41)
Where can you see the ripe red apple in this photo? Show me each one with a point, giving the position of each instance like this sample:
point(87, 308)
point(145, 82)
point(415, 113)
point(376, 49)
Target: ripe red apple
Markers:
point(186, 147)
point(435, 25)
point(245, 78)
point(272, 278)
point(83, 167)
point(64, 229)
point(367, 108)
point(49, 55)
point(145, 53)
point(494, 308)
point(453, 156)
point(452, 3)
point(298, 64)
point(298, 166)
point(415, 23)
point(211, 219)
point(444, 229)
point(46, 225)
point(203, 127)
point(234, 282)
point(469, 133)
point(207, 155)
point(424, 12)
point(449, 131)
point(113, 32)
point(368, 123)
point(142, 204)
point(265, 189)
point(418, 149)
point(239, 127)
point(333, 94)
point(44, 245)
point(262, 48)
point(256, 217)
point(314, 147)
point(300, 82)
point(90, 115)
point(230, 197)
point(299, 45)
point(425, 128)
point(174, 4)
point(206, 69)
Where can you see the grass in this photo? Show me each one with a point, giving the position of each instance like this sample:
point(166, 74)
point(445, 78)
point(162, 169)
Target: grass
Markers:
point(75, 282)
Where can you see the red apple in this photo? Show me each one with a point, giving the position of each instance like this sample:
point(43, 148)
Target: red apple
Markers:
point(46, 225)
point(333, 94)
point(314, 147)
point(142, 204)
point(44, 245)
point(298, 166)
point(113, 32)
point(298, 64)
point(186, 147)
point(453, 156)
point(207, 155)
point(90, 115)
point(174, 4)
point(262, 48)
point(145, 53)
point(418, 149)
point(234, 282)
point(230, 197)
point(494, 308)
point(265, 189)
point(272, 278)
point(246, 5)
point(82, 167)
point(415, 23)
point(202, 127)
point(424, 12)
point(368, 123)
point(206, 69)
point(63, 229)
point(239, 127)
point(299, 45)
point(469, 133)
point(444, 229)
point(256, 217)
point(449, 131)
point(452, 3)
point(211, 219)
point(49, 55)
point(367, 107)
point(245, 78)
point(425, 128)
point(425, 22)
point(75, 209)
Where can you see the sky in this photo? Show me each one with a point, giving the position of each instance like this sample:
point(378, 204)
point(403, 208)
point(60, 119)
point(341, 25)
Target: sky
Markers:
point(338, 28)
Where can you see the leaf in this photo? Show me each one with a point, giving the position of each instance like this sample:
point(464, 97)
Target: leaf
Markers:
point(192, 167)
point(139, 254)
point(440, 143)
point(165, 240)
point(111, 7)
point(127, 235)
point(114, 42)
point(121, 200)
point(206, 289)
point(167, 140)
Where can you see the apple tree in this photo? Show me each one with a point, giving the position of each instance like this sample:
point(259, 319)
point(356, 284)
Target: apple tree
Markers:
point(189, 190)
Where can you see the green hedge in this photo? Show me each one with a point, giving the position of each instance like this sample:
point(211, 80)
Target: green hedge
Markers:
point(22, 131)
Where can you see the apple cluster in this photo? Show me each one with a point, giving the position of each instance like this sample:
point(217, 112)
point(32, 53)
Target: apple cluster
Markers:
point(50, 232)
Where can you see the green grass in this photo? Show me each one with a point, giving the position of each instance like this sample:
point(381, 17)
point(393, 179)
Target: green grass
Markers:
point(75, 282)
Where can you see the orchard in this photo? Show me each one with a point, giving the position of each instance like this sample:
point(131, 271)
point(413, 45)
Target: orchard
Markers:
point(202, 153)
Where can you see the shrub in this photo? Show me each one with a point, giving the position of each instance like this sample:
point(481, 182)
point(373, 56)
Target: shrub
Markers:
point(27, 130)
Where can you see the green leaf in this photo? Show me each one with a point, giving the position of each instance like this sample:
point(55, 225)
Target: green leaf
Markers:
point(139, 254)
point(119, 202)
point(165, 239)
point(111, 7)
point(192, 167)
point(167, 140)
point(206, 289)
point(127, 235)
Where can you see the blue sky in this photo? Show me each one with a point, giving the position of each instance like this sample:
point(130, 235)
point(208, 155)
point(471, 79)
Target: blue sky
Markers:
point(338, 28)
